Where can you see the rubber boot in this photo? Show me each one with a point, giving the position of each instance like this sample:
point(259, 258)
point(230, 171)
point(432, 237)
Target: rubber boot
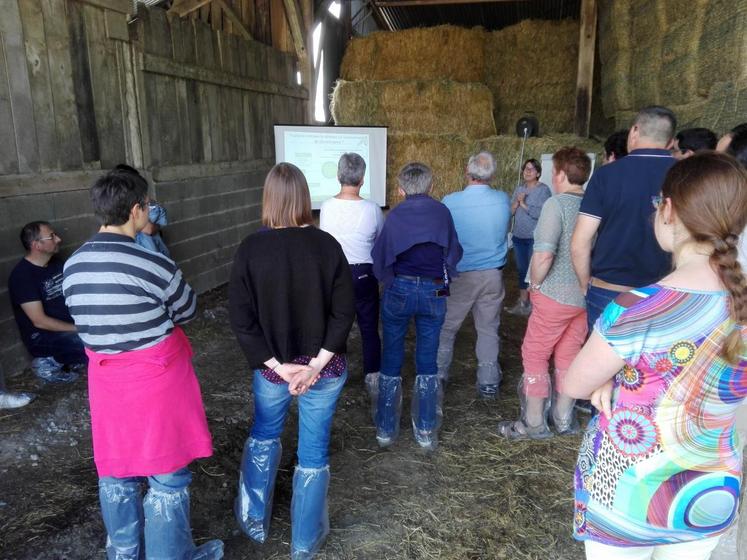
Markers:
point(253, 505)
point(443, 362)
point(426, 409)
point(372, 388)
point(488, 379)
point(309, 515)
point(122, 512)
point(388, 409)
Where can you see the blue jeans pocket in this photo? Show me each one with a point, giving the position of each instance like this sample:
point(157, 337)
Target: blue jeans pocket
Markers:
point(394, 302)
point(438, 306)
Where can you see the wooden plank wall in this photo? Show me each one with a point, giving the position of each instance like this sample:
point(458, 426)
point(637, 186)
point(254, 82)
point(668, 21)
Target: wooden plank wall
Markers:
point(193, 106)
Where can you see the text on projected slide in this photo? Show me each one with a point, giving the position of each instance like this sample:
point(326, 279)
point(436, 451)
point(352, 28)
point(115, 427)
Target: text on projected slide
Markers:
point(317, 154)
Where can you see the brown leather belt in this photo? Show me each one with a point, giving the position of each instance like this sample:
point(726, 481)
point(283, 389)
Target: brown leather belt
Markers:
point(597, 283)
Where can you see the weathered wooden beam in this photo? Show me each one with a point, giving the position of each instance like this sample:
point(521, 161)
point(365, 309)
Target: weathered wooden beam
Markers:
point(235, 20)
point(198, 170)
point(405, 3)
point(185, 7)
point(585, 76)
point(298, 32)
point(167, 67)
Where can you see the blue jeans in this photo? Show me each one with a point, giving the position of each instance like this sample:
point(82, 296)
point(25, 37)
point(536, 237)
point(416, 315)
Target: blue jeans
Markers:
point(315, 410)
point(65, 347)
point(404, 299)
point(163, 517)
point(596, 300)
point(522, 254)
point(262, 452)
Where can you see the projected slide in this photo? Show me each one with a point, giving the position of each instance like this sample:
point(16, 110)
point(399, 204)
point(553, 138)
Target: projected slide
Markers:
point(317, 149)
point(317, 154)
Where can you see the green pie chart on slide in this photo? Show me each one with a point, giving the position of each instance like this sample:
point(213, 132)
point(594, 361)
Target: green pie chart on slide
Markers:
point(329, 169)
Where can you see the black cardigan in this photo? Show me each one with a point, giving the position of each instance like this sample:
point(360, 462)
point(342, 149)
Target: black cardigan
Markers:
point(290, 294)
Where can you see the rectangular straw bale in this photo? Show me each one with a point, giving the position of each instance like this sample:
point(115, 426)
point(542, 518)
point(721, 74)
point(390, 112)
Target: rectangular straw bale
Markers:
point(531, 67)
point(447, 155)
point(722, 46)
point(646, 60)
point(435, 107)
point(688, 57)
point(445, 52)
point(679, 74)
point(614, 55)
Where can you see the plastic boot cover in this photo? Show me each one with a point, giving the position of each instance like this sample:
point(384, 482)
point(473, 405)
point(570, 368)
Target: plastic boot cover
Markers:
point(388, 409)
point(488, 379)
point(427, 413)
point(309, 516)
point(372, 388)
point(167, 531)
point(122, 511)
point(211, 550)
point(563, 413)
point(253, 505)
point(50, 370)
point(443, 360)
point(534, 409)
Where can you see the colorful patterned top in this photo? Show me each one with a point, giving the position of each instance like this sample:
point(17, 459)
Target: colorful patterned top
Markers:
point(334, 368)
point(666, 467)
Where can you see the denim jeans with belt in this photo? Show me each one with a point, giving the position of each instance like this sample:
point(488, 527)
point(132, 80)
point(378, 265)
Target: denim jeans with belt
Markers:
point(262, 451)
point(407, 298)
point(164, 515)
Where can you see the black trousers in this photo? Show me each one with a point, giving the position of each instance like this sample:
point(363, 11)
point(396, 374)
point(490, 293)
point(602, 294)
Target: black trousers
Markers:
point(367, 313)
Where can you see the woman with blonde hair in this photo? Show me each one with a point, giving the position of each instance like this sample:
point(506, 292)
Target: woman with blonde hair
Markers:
point(291, 308)
point(659, 471)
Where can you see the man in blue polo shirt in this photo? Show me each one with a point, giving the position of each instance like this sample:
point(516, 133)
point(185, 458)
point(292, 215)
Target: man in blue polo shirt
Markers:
point(481, 216)
point(617, 209)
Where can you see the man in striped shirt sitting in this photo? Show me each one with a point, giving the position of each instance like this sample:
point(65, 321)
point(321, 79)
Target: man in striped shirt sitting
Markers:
point(147, 417)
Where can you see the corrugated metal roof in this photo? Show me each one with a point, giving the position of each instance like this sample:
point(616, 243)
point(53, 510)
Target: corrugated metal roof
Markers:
point(403, 14)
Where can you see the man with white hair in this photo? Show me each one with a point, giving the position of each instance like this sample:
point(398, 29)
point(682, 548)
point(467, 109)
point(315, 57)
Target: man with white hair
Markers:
point(481, 216)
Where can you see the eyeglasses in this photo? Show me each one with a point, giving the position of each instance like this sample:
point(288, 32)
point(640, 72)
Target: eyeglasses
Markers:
point(656, 201)
point(51, 236)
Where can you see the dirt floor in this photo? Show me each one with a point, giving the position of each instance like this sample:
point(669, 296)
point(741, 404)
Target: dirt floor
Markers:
point(477, 497)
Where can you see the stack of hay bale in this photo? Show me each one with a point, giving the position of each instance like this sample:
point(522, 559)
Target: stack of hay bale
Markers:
point(441, 91)
point(692, 60)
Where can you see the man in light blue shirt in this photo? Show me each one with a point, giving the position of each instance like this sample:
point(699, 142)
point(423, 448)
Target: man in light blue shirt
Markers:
point(481, 216)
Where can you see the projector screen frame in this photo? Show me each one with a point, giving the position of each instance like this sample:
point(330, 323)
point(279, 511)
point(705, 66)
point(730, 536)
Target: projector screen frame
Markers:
point(374, 187)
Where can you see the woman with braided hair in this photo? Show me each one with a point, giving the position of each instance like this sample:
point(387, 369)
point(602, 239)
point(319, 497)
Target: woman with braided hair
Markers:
point(659, 471)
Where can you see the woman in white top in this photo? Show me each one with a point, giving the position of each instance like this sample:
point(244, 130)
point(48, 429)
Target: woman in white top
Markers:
point(356, 222)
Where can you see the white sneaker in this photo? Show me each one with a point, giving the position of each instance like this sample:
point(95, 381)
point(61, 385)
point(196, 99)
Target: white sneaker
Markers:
point(15, 400)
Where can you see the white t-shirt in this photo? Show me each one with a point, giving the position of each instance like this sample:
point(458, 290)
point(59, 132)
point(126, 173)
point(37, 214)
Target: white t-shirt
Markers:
point(355, 224)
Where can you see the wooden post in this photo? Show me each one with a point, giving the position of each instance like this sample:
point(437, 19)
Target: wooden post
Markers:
point(300, 31)
point(585, 76)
